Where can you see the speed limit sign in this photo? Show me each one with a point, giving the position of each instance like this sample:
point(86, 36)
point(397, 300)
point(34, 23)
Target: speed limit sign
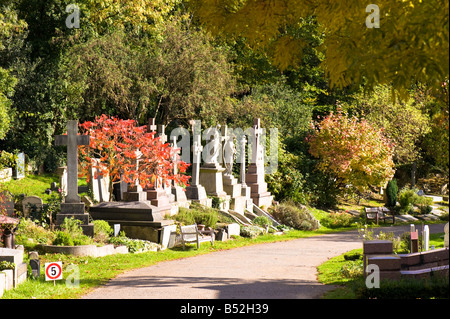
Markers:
point(53, 271)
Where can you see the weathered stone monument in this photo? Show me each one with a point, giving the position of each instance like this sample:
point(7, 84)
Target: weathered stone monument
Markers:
point(238, 202)
point(72, 206)
point(255, 174)
point(98, 183)
point(446, 235)
point(211, 171)
point(31, 202)
point(195, 191)
point(178, 192)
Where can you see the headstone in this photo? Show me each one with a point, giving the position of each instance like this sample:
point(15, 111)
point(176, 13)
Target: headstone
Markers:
point(255, 174)
point(134, 191)
point(446, 235)
point(7, 203)
point(195, 191)
point(62, 175)
point(414, 242)
point(426, 238)
point(19, 172)
point(178, 191)
point(31, 202)
point(73, 207)
point(35, 264)
point(98, 183)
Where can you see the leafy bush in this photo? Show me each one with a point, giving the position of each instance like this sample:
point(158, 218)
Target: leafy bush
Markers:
point(295, 216)
point(352, 269)
point(71, 234)
point(7, 160)
point(336, 220)
point(133, 245)
point(198, 214)
point(262, 221)
point(391, 193)
point(29, 234)
point(407, 197)
point(102, 231)
point(251, 231)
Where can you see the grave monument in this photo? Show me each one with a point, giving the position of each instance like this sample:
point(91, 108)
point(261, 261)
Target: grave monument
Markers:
point(73, 206)
point(195, 191)
point(255, 173)
point(211, 171)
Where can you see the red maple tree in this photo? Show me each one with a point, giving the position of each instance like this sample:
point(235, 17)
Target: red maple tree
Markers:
point(126, 151)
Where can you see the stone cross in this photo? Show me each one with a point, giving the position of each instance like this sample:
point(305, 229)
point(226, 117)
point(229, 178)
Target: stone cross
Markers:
point(72, 140)
point(243, 144)
point(257, 150)
point(151, 125)
point(197, 149)
point(161, 133)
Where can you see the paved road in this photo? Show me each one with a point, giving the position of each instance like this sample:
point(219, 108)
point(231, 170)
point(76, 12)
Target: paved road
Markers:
point(284, 270)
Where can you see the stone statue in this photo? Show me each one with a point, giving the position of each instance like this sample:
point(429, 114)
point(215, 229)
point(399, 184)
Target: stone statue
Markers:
point(229, 152)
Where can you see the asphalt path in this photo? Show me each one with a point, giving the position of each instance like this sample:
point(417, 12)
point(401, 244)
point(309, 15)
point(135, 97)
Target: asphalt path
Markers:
point(282, 270)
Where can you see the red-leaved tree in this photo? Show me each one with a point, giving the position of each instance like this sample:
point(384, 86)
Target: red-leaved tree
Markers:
point(353, 151)
point(126, 151)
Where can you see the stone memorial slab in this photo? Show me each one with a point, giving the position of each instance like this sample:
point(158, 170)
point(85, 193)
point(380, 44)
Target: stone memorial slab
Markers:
point(31, 202)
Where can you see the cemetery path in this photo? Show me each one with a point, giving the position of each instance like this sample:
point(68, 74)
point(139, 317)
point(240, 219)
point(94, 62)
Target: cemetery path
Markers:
point(283, 270)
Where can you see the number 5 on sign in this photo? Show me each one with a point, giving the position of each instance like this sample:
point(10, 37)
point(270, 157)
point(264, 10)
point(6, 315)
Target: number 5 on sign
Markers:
point(53, 271)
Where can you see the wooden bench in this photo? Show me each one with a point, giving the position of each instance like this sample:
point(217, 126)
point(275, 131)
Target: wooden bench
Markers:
point(377, 213)
point(191, 234)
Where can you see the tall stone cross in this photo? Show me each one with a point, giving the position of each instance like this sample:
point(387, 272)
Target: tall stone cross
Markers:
point(197, 149)
point(72, 140)
point(257, 150)
point(151, 125)
point(243, 144)
point(161, 133)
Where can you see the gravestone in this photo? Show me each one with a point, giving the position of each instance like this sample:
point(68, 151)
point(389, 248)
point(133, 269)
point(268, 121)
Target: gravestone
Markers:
point(98, 183)
point(177, 191)
point(7, 203)
point(446, 235)
point(19, 171)
point(195, 191)
point(62, 175)
point(31, 202)
point(255, 174)
point(73, 206)
point(230, 183)
point(211, 171)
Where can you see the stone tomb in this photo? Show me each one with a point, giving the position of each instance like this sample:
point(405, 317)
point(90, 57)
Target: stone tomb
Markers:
point(12, 277)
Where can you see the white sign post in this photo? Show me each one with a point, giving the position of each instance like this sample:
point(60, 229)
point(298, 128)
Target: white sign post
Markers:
point(53, 271)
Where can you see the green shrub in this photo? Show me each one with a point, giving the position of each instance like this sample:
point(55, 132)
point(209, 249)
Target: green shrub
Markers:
point(295, 216)
point(71, 234)
point(391, 193)
point(133, 245)
point(352, 269)
point(251, 231)
point(199, 215)
point(262, 221)
point(407, 197)
point(29, 234)
point(336, 220)
point(102, 231)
